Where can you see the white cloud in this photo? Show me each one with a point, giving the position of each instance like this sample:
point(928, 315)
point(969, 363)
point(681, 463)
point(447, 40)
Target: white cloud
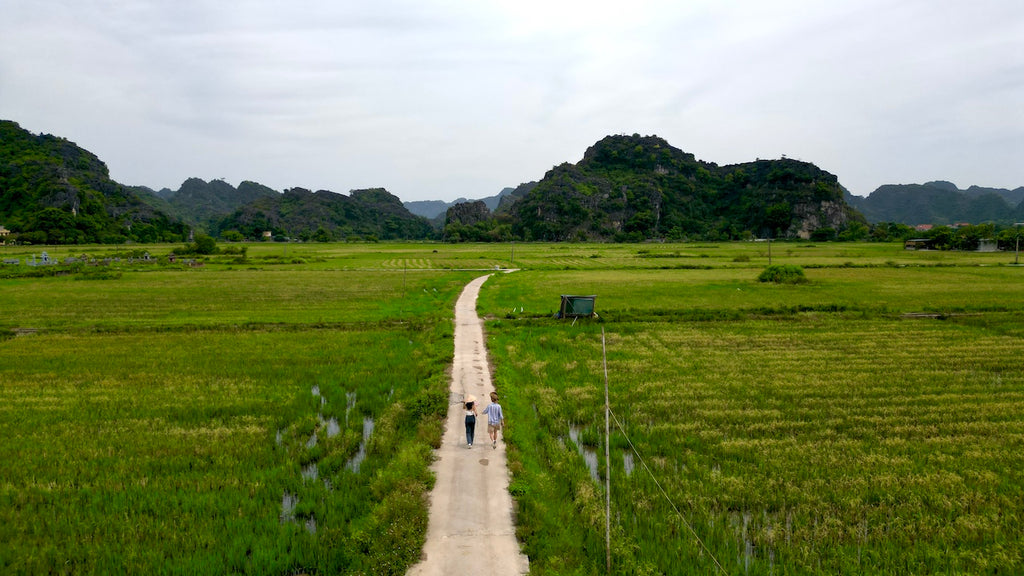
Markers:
point(441, 99)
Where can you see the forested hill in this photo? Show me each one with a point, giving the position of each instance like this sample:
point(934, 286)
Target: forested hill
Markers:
point(639, 187)
point(325, 216)
point(204, 203)
point(53, 192)
point(941, 203)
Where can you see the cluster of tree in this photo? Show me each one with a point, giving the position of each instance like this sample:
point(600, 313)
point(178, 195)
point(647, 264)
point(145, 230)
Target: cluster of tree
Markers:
point(950, 237)
point(53, 192)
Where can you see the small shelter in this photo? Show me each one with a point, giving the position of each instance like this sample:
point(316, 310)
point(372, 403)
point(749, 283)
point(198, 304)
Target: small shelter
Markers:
point(576, 306)
point(988, 245)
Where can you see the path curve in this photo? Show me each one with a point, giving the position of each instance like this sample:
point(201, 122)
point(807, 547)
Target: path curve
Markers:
point(471, 529)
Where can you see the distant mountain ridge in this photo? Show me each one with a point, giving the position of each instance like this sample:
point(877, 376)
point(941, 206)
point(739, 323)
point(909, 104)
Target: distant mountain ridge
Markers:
point(326, 216)
point(941, 203)
point(202, 204)
point(626, 188)
point(52, 191)
point(431, 209)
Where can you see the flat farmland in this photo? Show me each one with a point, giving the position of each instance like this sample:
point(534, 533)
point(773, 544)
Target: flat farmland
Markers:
point(273, 410)
point(220, 419)
point(869, 421)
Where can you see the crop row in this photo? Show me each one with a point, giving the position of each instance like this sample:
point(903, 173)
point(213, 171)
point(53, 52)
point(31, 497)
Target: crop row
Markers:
point(809, 443)
point(144, 436)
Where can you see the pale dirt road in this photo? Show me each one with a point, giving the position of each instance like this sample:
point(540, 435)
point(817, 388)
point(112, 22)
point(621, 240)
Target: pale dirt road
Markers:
point(471, 529)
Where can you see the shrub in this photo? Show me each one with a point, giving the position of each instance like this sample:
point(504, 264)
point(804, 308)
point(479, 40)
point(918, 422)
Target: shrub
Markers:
point(783, 274)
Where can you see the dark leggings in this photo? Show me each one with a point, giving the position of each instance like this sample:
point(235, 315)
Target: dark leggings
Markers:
point(470, 429)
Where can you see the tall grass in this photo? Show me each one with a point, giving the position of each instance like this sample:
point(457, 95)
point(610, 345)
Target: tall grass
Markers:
point(868, 422)
point(162, 418)
point(205, 422)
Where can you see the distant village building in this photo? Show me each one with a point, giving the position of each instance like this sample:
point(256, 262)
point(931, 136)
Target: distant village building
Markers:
point(267, 234)
point(917, 244)
point(923, 227)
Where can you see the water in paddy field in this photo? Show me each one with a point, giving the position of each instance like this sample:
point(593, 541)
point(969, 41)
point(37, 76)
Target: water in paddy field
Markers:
point(589, 454)
point(356, 460)
point(332, 428)
point(311, 443)
point(350, 403)
point(310, 471)
point(288, 503)
point(316, 390)
point(627, 462)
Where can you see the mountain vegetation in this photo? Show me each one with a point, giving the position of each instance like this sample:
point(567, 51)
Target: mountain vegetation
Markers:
point(941, 203)
point(635, 188)
point(625, 189)
point(327, 216)
point(203, 204)
point(53, 192)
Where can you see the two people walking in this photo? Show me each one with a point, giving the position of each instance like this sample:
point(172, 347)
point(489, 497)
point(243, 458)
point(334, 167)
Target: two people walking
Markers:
point(495, 419)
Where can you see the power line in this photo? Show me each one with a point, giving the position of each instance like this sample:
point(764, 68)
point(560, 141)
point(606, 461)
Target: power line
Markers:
point(664, 493)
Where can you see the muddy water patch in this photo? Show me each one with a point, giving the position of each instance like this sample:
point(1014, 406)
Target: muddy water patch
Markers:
point(357, 460)
point(350, 403)
point(333, 429)
point(288, 503)
point(589, 454)
point(310, 471)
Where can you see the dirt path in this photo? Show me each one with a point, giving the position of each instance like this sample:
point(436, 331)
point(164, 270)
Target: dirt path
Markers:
point(471, 529)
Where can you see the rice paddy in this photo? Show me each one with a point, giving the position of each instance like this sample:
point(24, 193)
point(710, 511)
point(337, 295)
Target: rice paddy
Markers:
point(273, 412)
point(869, 422)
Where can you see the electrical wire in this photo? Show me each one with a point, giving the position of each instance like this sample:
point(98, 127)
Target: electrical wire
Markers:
point(665, 494)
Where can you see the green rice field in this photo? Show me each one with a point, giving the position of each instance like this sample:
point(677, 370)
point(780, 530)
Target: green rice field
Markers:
point(273, 411)
point(868, 422)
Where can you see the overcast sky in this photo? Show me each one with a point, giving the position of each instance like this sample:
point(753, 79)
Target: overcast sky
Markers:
point(440, 99)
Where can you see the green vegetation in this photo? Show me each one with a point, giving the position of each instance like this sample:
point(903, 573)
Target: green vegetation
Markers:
point(783, 274)
point(53, 192)
point(941, 203)
point(160, 416)
point(325, 216)
point(866, 422)
point(633, 188)
point(173, 420)
point(625, 189)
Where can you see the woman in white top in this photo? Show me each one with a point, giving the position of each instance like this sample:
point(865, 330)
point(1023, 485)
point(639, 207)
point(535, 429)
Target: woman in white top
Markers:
point(470, 419)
